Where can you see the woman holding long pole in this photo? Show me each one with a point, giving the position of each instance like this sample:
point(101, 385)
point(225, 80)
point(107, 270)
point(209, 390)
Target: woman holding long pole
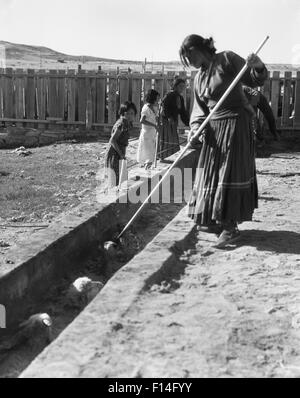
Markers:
point(225, 191)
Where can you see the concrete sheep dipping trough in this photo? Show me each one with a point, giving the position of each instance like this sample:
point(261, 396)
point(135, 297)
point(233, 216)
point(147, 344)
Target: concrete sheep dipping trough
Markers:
point(63, 268)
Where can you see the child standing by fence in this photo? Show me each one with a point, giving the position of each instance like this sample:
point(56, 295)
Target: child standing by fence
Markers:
point(118, 143)
point(149, 120)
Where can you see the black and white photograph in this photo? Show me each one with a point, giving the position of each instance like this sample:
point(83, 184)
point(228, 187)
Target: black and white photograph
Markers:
point(150, 191)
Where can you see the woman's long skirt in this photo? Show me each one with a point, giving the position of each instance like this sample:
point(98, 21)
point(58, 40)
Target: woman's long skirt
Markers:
point(169, 140)
point(226, 186)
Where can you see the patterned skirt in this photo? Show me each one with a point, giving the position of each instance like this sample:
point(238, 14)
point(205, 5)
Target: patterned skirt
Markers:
point(169, 140)
point(226, 186)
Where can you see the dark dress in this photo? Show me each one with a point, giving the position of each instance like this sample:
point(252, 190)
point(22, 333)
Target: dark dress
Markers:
point(260, 102)
point(172, 107)
point(225, 188)
point(112, 158)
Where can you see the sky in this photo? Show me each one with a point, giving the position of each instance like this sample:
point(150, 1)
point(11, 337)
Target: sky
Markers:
point(153, 29)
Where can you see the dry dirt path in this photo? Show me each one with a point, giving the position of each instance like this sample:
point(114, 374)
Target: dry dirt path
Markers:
point(224, 313)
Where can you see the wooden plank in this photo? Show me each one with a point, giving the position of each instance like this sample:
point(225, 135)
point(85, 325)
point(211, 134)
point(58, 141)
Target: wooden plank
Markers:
point(41, 96)
point(93, 98)
point(137, 96)
point(159, 86)
point(53, 94)
point(71, 90)
point(146, 87)
point(275, 93)
point(82, 95)
point(287, 94)
point(8, 93)
point(296, 119)
point(89, 104)
point(1, 92)
point(19, 86)
point(130, 86)
point(101, 91)
point(30, 95)
point(61, 88)
point(112, 98)
point(124, 88)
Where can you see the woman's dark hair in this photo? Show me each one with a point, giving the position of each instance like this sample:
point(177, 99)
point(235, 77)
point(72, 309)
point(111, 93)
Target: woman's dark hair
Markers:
point(151, 96)
point(126, 107)
point(178, 80)
point(198, 42)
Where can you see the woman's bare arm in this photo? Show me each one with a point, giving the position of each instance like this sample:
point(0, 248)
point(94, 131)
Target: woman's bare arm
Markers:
point(146, 123)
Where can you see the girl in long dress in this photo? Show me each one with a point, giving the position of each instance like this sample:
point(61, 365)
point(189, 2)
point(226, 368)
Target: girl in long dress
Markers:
point(225, 191)
point(118, 143)
point(149, 121)
point(172, 107)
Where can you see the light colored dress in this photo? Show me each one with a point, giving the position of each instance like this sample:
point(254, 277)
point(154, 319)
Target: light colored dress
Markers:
point(147, 142)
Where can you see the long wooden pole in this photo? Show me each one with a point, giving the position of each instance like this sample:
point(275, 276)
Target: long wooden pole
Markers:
point(157, 135)
point(201, 128)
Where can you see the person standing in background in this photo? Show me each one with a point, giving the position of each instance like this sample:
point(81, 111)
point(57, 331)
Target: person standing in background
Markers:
point(118, 143)
point(172, 107)
point(149, 121)
point(260, 102)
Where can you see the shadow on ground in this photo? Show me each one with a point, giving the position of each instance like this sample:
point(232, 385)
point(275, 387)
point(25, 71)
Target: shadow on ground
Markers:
point(269, 199)
point(274, 241)
point(270, 147)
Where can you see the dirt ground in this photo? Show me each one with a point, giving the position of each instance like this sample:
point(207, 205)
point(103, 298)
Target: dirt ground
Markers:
point(225, 313)
point(49, 181)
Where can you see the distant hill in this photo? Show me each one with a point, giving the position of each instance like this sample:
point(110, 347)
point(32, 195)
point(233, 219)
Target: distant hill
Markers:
point(35, 57)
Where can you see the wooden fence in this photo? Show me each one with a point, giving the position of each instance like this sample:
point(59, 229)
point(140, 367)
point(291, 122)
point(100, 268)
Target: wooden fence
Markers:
point(90, 100)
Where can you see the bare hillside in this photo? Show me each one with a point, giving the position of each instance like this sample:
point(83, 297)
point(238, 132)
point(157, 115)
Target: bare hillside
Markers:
point(35, 57)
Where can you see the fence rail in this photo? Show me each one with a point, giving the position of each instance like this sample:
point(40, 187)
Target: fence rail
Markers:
point(90, 100)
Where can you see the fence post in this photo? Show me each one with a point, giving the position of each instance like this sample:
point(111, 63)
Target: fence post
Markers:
point(101, 91)
point(8, 94)
point(112, 98)
point(147, 85)
point(82, 95)
point(124, 88)
point(89, 105)
point(41, 97)
point(30, 97)
point(297, 102)
point(1, 93)
point(19, 84)
point(286, 101)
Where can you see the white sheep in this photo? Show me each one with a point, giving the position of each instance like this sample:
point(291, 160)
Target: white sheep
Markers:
point(82, 292)
point(35, 331)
